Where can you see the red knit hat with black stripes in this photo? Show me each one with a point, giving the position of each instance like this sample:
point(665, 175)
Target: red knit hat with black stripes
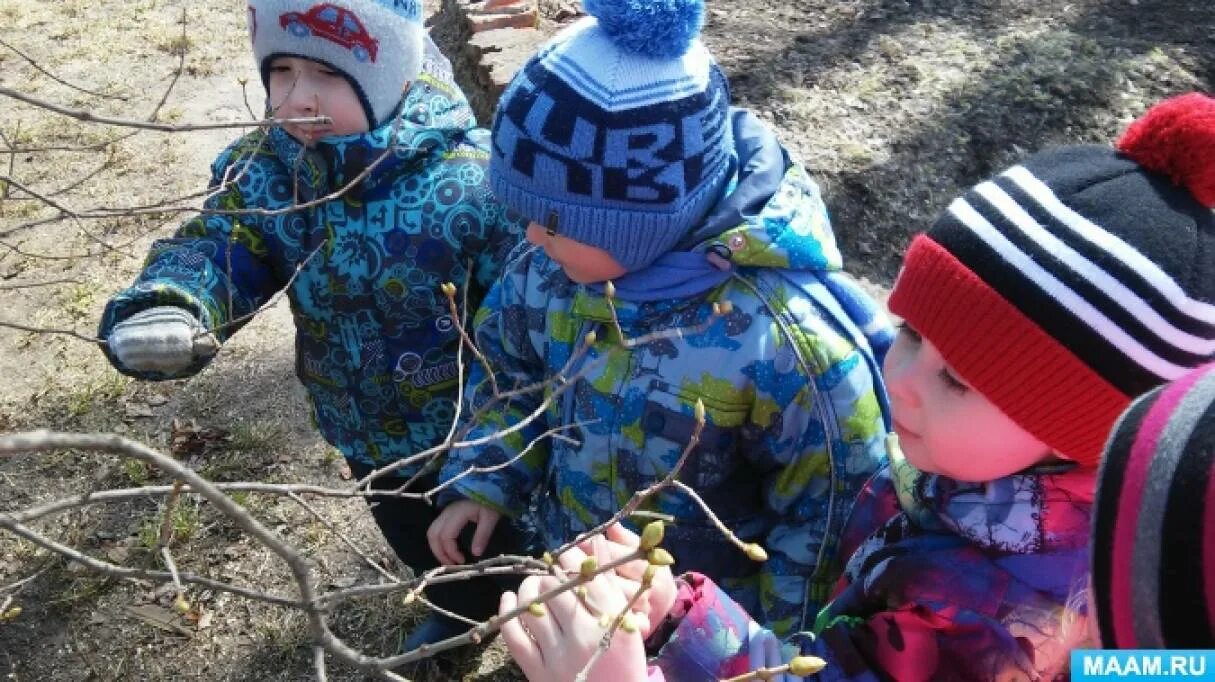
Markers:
point(1078, 279)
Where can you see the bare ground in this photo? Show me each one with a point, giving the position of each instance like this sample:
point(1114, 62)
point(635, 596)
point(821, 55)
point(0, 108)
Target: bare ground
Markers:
point(894, 106)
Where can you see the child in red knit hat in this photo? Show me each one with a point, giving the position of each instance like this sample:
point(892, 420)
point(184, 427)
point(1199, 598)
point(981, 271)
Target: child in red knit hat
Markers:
point(1035, 310)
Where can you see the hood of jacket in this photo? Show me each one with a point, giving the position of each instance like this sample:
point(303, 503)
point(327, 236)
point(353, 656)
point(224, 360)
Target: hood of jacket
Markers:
point(772, 215)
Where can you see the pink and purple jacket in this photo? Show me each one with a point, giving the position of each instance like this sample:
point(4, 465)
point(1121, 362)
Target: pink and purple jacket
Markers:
point(946, 581)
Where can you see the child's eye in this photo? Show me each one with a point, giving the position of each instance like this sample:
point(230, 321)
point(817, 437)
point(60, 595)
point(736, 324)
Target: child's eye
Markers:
point(954, 383)
point(329, 72)
point(910, 332)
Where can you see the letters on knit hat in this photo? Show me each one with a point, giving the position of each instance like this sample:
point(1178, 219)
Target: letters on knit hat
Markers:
point(616, 133)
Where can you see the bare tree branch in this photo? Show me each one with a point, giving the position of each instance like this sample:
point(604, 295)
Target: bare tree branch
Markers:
point(90, 117)
point(59, 80)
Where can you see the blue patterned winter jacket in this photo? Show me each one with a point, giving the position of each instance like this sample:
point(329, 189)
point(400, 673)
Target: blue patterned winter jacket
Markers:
point(793, 401)
point(375, 344)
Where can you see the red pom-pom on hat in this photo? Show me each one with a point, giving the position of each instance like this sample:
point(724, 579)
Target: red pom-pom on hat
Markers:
point(1176, 138)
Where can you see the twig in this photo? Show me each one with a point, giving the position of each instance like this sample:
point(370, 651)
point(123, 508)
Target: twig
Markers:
point(59, 80)
point(503, 564)
point(299, 566)
point(12, 161)
point(91, 147)
point(181, 589)
point(90, 117)
point(166, 522)
point(342, 536)
point(450, 614)
point(551, 433)
point(449, 290)
point(495, 623)
point(125, 572)
point(31, 285)
point(17, 586)
point(643, 495)
point(443, 447)
point(43, 330)
point(53, 204)
point(269, 302)
point(318, 662)
point(244, 91)
point(119, 494)
point(606, 640)
point(181, 65)
point(687, 490)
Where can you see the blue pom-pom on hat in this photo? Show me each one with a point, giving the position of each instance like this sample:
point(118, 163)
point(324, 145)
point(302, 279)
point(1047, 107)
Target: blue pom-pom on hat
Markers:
point(618, 129)
point(665, 28)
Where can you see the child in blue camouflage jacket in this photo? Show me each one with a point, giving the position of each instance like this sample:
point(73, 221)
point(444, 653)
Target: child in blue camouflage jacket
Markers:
point(375, 343)
point(617, 141)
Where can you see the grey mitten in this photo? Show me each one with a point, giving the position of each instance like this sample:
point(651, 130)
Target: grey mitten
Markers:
point(164, 339)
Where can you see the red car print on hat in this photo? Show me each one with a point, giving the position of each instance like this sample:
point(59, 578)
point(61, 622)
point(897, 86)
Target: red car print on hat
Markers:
point(335, 24)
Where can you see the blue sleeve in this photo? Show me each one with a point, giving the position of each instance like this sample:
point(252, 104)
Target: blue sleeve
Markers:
point(493, 233)
point(216, 266)
point(503, 231)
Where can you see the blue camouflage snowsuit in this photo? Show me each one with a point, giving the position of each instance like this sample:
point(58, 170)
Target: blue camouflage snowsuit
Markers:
point(794, 404)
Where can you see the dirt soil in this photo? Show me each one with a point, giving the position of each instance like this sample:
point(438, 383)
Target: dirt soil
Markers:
point(894, 106)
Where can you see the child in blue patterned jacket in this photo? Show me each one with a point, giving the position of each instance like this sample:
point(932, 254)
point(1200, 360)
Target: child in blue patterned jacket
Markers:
point(617, 141)
point(1036, 308)
point(361, 219)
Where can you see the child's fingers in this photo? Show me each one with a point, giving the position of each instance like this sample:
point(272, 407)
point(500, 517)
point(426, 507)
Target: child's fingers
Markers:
point(606, 594)
point(633, 570)
point(544, 628)
point(571, 559)
point(618, 542)
point(432, 538)
point(605, 548)
point(521, 647)
point(628, 588)
point(442, 534)
point(619, 534)
point(563, 607)
point(486, 521)
point(450, 544)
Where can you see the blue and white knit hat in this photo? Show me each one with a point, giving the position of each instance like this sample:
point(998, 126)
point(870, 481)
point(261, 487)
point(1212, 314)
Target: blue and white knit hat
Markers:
point(377, 44)
point(616, 133)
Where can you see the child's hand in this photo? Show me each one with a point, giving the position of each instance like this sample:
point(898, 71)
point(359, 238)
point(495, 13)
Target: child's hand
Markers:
point(445, 530)
point(617, 542)
point(554, 647)
point(162, 339)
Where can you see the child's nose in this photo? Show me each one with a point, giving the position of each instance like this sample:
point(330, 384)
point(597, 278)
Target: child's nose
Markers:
point(301, 98)
point(900, 373)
